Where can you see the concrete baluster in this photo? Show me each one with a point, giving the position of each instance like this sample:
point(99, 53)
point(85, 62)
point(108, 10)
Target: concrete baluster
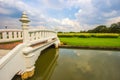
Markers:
point(36, 35)
point(10, 35)
point(40, 35)
point(4, 35)
point(19, 35)
point(45, 34)
point(32, 36)
point(15, 35)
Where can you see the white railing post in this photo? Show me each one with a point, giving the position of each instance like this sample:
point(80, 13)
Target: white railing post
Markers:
point(4, 35)
point(24, 19)
point(10, 35)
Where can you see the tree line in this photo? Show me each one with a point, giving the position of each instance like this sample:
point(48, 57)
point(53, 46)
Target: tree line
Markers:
point(114, 28)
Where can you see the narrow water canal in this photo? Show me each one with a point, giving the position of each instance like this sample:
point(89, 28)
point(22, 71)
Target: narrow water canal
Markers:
point(77, 64)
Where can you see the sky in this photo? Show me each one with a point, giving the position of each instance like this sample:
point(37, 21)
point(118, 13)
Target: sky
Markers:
point(60, 15)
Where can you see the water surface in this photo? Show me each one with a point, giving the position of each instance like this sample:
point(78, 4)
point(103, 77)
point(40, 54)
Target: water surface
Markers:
point(77, 64)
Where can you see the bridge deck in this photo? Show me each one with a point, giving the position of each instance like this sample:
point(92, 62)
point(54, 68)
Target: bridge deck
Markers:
point(3, 52)
point(10, 45)
point(6, 47)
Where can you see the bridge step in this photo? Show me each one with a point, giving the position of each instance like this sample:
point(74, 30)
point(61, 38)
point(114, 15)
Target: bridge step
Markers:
point(3, 52)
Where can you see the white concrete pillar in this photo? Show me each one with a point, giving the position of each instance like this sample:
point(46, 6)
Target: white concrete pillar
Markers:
point(15, 35)
point(40, 34)
point(24, 19)
point(4, 35)
point(10, 35)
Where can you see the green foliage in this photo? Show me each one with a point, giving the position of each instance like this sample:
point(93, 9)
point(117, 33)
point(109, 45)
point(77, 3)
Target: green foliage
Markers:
point(105, 35)
point(100, 29)
point(83, 35)
point(65, 35)
point(114, 28)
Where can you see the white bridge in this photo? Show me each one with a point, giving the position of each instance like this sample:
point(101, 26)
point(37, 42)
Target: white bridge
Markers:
point(19, 49)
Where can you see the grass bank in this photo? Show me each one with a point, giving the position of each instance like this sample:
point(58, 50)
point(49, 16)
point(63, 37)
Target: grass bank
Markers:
point(91, 42)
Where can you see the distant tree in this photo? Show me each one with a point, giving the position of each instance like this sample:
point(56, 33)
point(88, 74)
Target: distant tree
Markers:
point(83, 31)
point(99, 29)
point(60, 32)
point(71, 32)
point(90, 31)
point(115, 28)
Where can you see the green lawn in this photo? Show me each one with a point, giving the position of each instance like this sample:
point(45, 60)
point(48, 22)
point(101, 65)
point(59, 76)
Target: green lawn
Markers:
point(99, 42)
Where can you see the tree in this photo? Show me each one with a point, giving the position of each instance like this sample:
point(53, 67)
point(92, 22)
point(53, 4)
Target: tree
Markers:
point(99, 29)
point(115, 28)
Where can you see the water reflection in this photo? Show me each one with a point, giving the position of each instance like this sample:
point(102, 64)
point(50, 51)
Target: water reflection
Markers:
point(45, 64)
point(77, 64)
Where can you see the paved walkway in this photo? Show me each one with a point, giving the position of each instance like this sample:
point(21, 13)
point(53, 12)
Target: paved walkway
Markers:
point(10, 45)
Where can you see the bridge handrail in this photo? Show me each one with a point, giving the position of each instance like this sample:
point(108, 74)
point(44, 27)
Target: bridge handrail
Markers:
point(38, 35)
point(8, 35)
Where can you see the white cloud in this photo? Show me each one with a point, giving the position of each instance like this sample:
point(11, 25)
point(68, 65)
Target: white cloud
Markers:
point(70, 25)
point(10, 23)
point(113, 20)
point(51, 4)
point(38, 19)
point(64, 24)
point(87, 17)
point(38, 27)
point(5, 11)
point(110, 14)
point(86, 12)
point(67, 21)
point(20, 5)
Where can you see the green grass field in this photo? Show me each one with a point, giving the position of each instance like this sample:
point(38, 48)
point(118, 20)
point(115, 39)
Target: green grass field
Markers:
point(99, 42)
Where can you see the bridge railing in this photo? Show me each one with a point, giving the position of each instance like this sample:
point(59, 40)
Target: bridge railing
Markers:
point(8, 35)
point(41, 34)
point(37, 35)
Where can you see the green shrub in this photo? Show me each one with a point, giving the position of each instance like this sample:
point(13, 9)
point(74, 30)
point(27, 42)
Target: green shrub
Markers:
point(65, 35)
point(105, 35)
point(83, 35)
